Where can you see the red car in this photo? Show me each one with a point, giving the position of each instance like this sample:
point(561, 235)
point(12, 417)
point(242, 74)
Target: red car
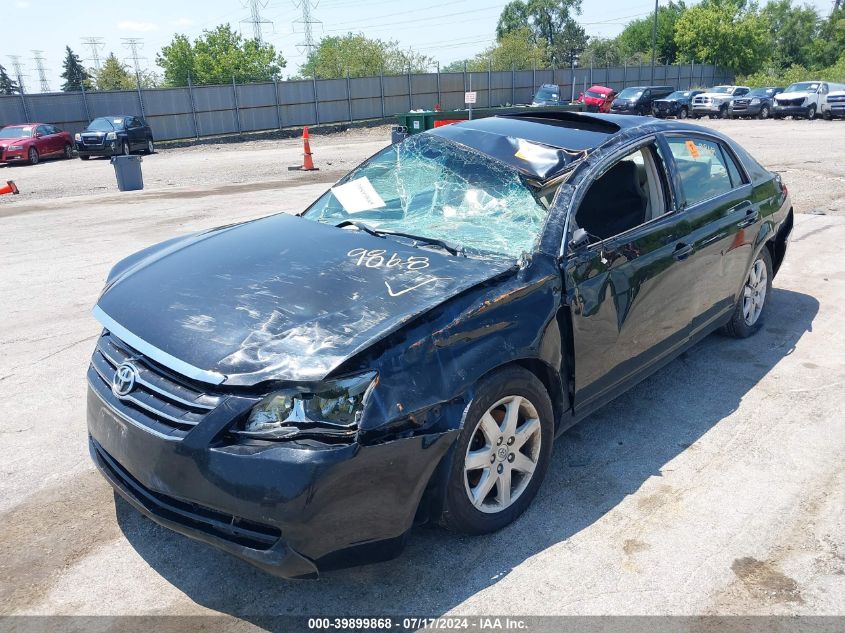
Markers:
point(30, 142)
point(597, 98)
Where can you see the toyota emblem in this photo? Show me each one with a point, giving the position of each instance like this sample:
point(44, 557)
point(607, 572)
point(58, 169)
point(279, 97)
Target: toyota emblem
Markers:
point(123, 380)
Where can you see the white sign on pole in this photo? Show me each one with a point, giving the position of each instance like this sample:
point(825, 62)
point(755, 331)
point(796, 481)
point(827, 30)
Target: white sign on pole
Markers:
point(470, 97)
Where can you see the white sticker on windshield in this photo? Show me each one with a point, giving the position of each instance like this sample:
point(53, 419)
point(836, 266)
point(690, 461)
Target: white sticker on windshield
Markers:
point(358, 195)
point(117, 120)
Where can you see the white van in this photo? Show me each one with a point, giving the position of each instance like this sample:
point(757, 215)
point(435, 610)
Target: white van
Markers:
point(805, 99)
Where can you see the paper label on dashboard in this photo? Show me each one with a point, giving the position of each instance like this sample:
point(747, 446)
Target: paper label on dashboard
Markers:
point(358, 195)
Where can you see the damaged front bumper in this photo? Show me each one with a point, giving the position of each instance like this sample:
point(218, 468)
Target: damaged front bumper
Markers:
point(289, 510)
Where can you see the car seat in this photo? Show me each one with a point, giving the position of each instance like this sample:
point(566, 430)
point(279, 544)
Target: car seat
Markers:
point(614, 203)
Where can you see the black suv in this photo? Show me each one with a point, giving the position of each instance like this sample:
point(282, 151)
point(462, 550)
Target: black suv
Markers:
point(758, 103)
point(676, 104)
point(112, 135)
point(639, 99)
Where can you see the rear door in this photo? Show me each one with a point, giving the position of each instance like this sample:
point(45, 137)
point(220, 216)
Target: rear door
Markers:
point(715, 194)
point(629, 293)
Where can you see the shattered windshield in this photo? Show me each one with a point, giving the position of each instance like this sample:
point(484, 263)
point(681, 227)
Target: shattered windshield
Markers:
point(431, 187)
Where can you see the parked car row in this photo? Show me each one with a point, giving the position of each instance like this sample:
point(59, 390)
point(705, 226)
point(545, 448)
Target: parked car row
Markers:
point(104, 136)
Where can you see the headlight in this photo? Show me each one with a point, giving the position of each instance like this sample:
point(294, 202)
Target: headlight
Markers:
point(755, 101)
point(13, 147)
point(77, 137)
point(111, 136)
point(332, 408)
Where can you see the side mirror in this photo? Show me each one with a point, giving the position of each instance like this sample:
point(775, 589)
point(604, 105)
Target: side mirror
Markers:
point(580, 238)
point(38, 135)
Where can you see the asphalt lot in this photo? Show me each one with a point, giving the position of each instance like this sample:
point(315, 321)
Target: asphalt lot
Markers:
point(717, 486)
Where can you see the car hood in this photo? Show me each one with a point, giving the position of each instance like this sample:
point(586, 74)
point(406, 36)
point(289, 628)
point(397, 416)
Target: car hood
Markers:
point(793, 95)
point(715, 95)
point(5, 142)
point(281, 298)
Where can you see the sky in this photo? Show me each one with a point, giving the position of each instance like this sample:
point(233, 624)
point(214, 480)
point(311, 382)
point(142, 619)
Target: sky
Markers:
point(446, 30)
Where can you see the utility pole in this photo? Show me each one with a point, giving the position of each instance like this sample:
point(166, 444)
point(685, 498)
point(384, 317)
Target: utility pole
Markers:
point(307, 21)
point(255, 18)
point(38, 58)
point(654, 41)
point(16, 65)
point(94, 44)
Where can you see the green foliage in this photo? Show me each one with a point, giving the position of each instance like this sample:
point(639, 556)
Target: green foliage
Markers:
point(113, 75)
point(515, 50)
point(829, 43)
point(218, 56)
point(773, 76)
point(636, 37)
point(602, 51)
point(7, 86)
point(74, 73)
point(551, 23)
point(792, 30)
point(728, 33)
point(361, 56)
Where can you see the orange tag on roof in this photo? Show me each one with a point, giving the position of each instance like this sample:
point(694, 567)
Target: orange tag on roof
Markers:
point(692, 149)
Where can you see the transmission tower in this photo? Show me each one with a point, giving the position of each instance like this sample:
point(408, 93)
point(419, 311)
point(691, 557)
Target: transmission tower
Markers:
point(255, 18)
point(38, 58)
point(16, 64)
point(307, 21)
point(836, 5)
point(95, 44)
point(134, 44)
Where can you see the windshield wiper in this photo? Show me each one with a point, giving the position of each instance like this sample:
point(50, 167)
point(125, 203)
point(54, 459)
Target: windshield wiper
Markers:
point(361, 226)
point(454, 249)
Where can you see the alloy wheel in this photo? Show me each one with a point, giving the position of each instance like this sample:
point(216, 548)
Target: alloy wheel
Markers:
point(33, 156)
point(502, 455)
point(764, 112)
point(754, 292)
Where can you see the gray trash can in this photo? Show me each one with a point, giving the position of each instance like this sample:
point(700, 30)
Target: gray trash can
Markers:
point(127, 170)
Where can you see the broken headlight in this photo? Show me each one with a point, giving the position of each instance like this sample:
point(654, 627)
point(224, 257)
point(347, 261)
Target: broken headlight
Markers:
point(330, 408)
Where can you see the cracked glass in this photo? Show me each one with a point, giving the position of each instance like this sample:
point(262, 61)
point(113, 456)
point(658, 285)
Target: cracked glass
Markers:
point(434, 188)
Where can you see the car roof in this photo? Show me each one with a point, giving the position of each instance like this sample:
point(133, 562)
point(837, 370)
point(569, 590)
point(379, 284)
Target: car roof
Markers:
point(557, 139)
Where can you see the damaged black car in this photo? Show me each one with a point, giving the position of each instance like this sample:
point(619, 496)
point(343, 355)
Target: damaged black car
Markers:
point(300, 391)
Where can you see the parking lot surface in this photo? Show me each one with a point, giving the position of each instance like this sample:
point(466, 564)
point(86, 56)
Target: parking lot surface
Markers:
point(717, 486)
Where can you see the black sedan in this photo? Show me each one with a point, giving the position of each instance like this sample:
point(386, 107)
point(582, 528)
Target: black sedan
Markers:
point(300, 390)
point(757, 103)
point(113, 135)
point(676, 104)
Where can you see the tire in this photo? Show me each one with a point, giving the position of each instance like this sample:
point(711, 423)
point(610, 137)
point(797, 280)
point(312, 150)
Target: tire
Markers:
point(84, 157)
point(68, 153)
point(150, 147)
point(827, 116)
point(811, 112)
point(124, 148)
point(683, 114)
point(32, 156)
point(747, 316)
point(486, 436)
point(764, 113)
point(723, 112)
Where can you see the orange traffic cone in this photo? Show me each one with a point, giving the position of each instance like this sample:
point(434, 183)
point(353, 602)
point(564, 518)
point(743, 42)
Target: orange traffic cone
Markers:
point(307, 161)
point(9, 188)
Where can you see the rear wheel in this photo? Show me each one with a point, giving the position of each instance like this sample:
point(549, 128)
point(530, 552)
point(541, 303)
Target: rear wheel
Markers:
point(501, 455)
point(746, 318)
point(32, 156)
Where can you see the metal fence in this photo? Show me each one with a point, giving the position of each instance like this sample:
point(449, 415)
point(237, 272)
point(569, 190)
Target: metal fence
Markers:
point(195, 111)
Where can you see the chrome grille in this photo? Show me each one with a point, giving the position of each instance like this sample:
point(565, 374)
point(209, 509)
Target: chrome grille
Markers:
point(92, 140)
point(836, 99)
point(158, 394)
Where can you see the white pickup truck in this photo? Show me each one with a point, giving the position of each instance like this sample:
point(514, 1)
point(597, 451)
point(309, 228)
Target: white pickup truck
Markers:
point(806, 99)
point(836, 101)
point(714, 102)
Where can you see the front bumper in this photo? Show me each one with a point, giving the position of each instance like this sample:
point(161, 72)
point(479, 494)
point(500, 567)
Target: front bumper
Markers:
point(107, 149)
point(707, 108)
point(780, 110)
point(837, 110)
point(13, 156)
point(749, 110)
point(287, 510)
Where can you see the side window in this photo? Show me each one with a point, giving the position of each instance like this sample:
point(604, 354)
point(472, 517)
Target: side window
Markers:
point(43, 130)
point(627, 194)
point(737, 179)
point(703, 168)
point(823, 89)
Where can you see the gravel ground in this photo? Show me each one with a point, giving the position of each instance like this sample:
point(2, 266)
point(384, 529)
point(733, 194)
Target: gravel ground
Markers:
point(717, 486)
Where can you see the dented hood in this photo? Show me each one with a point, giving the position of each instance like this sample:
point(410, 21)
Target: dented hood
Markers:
point(281, 298)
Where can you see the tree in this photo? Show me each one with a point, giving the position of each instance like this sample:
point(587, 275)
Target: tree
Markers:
point(792, 30)
point(218, 56)
point(7, 86)
point(514, 50)
point(74, 74)
point(636, 37)
point(113, 75)
point(602, 51)
point(724, 32)
point(829, 44)
point(360, 56)
point(550, 22)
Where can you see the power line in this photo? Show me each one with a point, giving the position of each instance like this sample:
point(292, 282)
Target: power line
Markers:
point(255, 19)
point(16, 64)
point(95, 44)
point(38, 58)
point(307, 21)
point(134, 44)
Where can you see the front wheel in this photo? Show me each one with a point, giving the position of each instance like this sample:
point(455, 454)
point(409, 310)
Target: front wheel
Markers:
point(746, 317)
point(811, 112)
point(827, 116)
point(32, 156)
point(501, 455)
point(723, 112)
point(764, 113)
point(683, 113)
point(124, 147)
point(150, 147)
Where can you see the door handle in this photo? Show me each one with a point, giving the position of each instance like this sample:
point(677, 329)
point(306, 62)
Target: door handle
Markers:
point(751, 216)
point(682, 251)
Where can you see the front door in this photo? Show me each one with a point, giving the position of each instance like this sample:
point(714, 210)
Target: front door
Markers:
point(629, 290)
